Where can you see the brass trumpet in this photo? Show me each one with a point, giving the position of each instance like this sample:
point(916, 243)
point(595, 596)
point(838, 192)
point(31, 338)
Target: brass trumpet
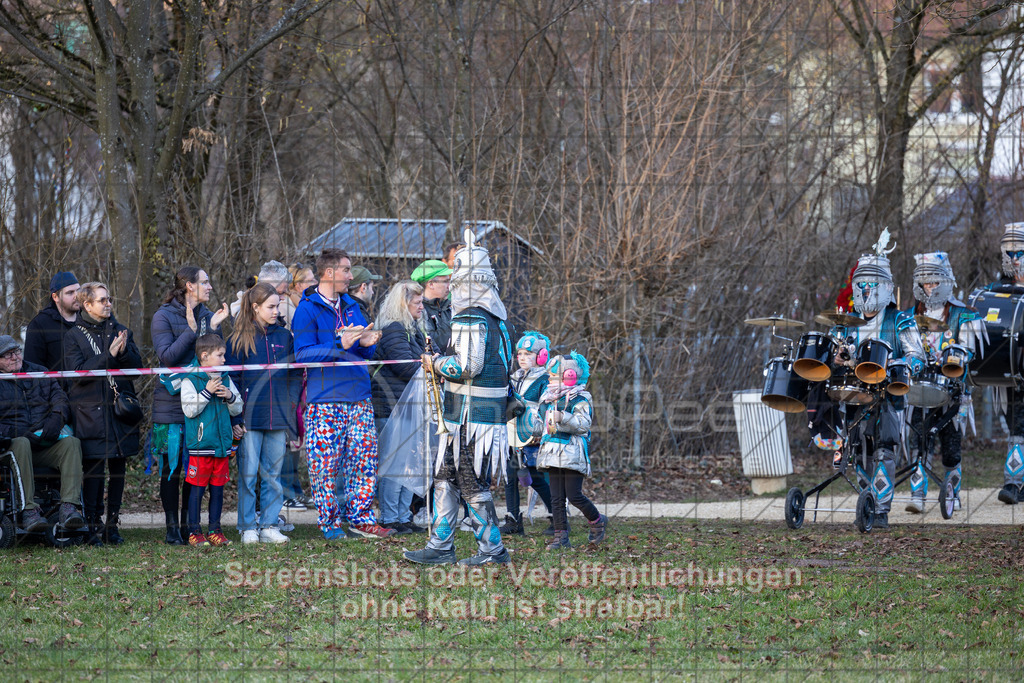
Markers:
point(434, 393)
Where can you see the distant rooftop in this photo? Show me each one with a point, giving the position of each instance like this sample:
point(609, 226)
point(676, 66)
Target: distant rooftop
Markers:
point(394, 238)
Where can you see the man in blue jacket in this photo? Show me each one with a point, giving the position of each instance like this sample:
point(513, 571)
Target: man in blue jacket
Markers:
point(340, 434)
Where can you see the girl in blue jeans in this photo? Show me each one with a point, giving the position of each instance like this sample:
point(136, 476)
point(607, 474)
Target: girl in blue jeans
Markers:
point(269, 416)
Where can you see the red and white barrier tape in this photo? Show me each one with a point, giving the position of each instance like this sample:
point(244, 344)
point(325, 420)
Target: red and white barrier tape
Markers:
point(136, 372)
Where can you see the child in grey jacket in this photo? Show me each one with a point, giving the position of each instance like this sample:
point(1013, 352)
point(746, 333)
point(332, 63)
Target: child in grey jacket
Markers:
point(566, 412)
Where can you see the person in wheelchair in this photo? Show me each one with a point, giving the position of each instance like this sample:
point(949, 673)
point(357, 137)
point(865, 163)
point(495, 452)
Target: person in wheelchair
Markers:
point(933, 290)
point(873, 300)
point(33, 415)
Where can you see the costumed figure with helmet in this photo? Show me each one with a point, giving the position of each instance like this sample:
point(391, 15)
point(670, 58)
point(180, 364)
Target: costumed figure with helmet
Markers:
point(475, 367)
point(1011, 400)
point(879, 437)
point(529, 381)
point(933, 291)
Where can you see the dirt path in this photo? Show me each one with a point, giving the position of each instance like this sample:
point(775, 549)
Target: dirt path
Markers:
point(980, 506)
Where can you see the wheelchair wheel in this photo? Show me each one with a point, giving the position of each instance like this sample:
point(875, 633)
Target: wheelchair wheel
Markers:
point(947, 500)
point(7, 532)
point(865, 510)
point(795, 508)
point(58, 536)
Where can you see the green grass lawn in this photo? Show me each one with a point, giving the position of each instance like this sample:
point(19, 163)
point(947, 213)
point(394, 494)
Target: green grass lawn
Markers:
point(915, 601)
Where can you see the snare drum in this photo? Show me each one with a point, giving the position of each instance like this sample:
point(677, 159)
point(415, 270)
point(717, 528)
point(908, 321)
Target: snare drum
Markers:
point(930, 390)
point(954, 361)
point(783, 389)
point(899, 377)
point(814, 356)
point(998, 358)
point(872, 360)
point(844, 387)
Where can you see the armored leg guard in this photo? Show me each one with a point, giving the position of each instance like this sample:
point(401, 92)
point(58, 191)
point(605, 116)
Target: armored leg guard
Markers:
point(444, 516)
point(955, 476)
point(883, 478)
point(485, 524)
point(918, 489)
point(1013, 473)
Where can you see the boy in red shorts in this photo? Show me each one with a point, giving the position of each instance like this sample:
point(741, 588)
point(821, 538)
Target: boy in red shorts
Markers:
point(209, 400)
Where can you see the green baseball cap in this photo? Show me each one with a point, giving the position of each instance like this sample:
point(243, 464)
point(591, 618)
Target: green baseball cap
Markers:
point(361, 275)
point(429, 269)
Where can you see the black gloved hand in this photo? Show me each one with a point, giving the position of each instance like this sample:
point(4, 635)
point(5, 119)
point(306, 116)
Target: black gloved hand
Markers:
point(51, 428)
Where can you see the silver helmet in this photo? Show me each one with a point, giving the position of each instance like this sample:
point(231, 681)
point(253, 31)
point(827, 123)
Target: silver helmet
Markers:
point(933, 267)
point(1013, 240)
point(872, 284)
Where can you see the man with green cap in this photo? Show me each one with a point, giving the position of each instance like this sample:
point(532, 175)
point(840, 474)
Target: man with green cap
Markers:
point(435, 276)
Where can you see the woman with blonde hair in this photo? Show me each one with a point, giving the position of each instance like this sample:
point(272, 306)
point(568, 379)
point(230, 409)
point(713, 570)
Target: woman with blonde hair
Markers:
point(302, 278)
point(401, 323)
point(99, 342)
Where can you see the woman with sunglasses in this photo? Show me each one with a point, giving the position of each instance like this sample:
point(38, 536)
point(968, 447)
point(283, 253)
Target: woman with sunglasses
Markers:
point(98, 342)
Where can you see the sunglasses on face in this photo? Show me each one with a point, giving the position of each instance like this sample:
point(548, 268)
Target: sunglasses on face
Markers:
point(866, 286)
point(1016, 255)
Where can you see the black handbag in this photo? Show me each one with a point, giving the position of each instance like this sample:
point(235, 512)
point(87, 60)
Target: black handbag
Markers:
point(127, 408)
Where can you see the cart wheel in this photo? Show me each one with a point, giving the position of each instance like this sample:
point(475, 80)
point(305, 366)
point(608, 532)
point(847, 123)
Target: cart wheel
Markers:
point(865, 510)
point(6, 532)
point(795, 508)
point(58, 536)
point(947, 500)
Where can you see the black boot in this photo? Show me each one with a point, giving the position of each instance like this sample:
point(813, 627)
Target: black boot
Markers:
point(111, 535)
point(173, 530)
point(513, 525)
point(95, 535)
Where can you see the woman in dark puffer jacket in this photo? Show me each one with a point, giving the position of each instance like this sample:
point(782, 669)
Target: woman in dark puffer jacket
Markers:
point(177, 324)
point(98, 342)
point(400, 322)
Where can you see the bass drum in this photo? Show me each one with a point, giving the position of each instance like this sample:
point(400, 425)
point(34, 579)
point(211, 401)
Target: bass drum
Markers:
point(997, 362)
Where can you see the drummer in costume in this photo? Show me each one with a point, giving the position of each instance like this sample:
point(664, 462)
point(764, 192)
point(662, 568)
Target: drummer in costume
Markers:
point(1012, 282)
point(476, 371)
point(873, 300)
point(933, 290)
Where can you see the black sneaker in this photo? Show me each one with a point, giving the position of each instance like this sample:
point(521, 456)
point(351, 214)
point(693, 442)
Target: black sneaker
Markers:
point(292, 504)
point(430, 556)
point(1011, 494)
point(881, 522)
point(400, 528)
point(414, 529)
point(305, 500)
point(479, 559)
point(31, 520)
point(70, 517)
point(513, 526)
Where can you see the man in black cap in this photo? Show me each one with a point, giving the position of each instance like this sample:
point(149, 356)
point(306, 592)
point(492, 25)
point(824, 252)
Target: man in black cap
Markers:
point(361, 289)
point(44, 338)
point(33, 413)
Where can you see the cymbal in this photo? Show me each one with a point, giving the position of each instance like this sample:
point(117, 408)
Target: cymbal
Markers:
point(835, 318)
point(774, 321)
point(930, 324)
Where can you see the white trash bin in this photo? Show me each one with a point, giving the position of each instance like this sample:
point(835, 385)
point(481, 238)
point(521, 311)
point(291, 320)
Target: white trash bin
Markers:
point(764, 443)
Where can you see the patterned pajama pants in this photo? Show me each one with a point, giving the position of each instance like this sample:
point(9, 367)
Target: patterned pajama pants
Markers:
point(340, 437)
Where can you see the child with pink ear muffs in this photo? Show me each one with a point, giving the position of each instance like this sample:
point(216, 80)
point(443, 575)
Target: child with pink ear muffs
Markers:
point(566, 412)
point(529, 381)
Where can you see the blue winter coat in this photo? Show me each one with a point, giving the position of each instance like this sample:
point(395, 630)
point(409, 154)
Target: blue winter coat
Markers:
point(270, 396)
point(175, 345)
point(314, 326)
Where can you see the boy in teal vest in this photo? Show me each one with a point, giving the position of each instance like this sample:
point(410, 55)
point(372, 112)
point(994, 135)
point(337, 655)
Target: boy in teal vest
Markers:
point(209, 401)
